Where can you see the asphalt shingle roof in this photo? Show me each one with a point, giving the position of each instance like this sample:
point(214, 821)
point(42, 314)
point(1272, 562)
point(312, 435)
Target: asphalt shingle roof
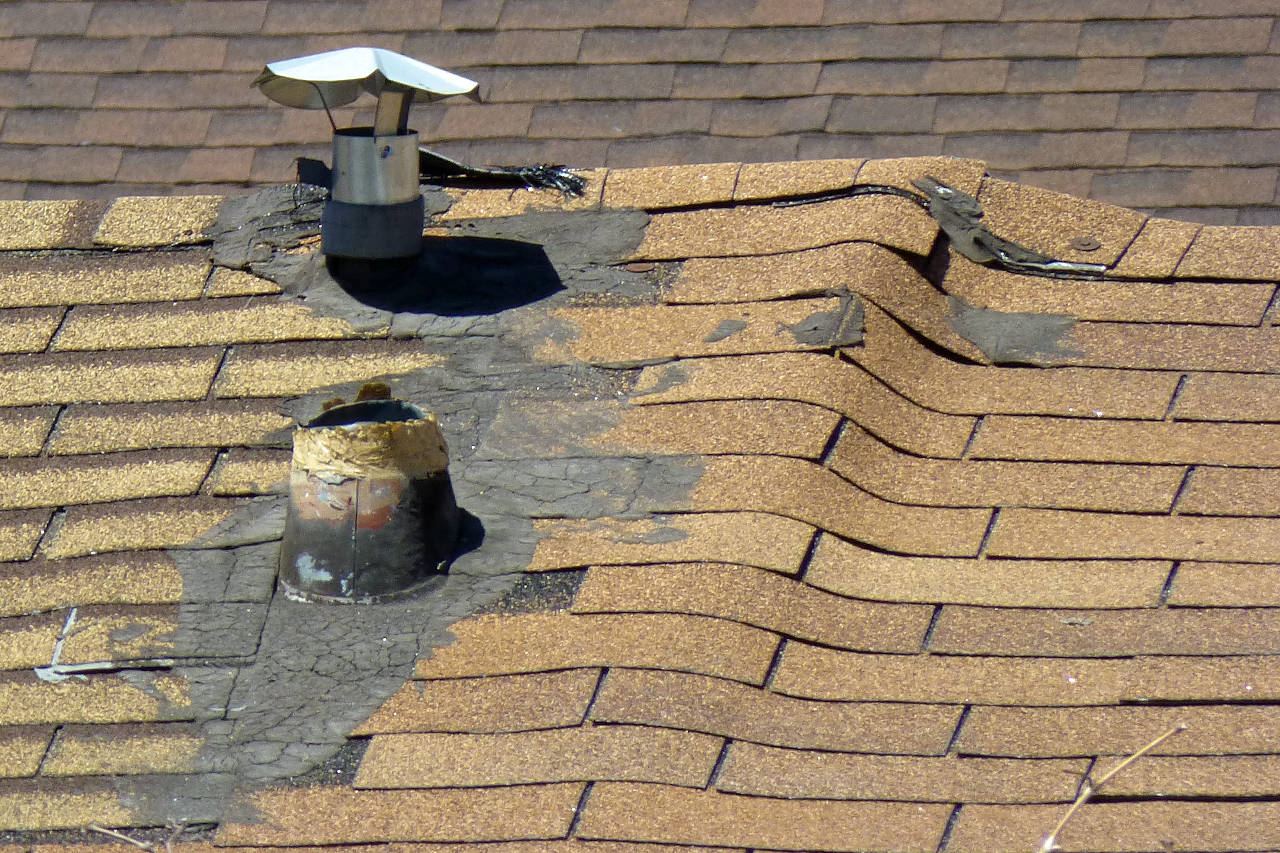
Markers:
point(780, 550)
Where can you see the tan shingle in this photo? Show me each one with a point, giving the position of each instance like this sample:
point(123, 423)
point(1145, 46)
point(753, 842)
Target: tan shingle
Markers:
point(1237, 252)
point(288, 816)
point(46, 224)
point(849, 570)
point(1225, 585)
point(175, 374)
point(222, 321)
point(20, 532)
point(624, 753)
point(28, 329)
point(771, 180)
point(659, 813)
point(1157, 249)
point(140, 221)
point(68, 279)
point(23, 431)
point(539, 642)
point(250, 472)
point(494, 704)
point(147, 577)
point(25, 699)
point(715, 706)
point(28, 483)
point(747, 538)
point(755, 597)
point(36, 805)
point(273, 370)
point(228, 282)
point(670, 186)
point(22, 748)
point(124, 749)
point(216, 423)
point(129, 525)
point(28, 641)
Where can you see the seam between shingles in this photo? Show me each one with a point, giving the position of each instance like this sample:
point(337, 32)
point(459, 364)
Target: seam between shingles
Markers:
point(1182, 487)
point(1273, 306)
point(206, 482)
point(825, 456)
point(933, 624)
point(48, 749)
point(807, 559)
point(718, 767)
point(774, 664)
point(51, 529)
point(952, 820)
point(211, 393)
point(973, 436)
point(1167, 589)
point(579, 809)
point(955, 734)
point(62, 321)
point(46, 446)
point(595, 694)
point(1173, 398)
point(986, 536)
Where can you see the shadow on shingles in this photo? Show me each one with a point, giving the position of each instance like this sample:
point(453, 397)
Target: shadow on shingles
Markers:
point(452, 276)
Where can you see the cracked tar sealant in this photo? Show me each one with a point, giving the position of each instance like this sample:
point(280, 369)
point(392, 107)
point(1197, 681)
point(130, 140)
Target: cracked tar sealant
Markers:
point(276, 685)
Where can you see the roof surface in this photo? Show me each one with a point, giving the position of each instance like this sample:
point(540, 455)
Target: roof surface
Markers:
point(1154, 104)
point(794, 529)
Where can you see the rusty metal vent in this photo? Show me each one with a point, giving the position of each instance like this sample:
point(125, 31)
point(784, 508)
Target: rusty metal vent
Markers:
point(372, 514)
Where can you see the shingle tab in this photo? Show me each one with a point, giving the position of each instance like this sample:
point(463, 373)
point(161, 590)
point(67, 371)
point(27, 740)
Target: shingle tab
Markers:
point(23, 431)
point(619, 753)
point(498, 645)
point(124, 749)
point(20, 532)
point(147, 577)
point(97, 699)
point(715, 706)
point(746, 538)
point(216, 423)
point(755, 597)
point(846, 569)
point(273, 370)
point(107, 377)
point(771, 772)
point(22, 748)
point(129, 525)
point(143, 221)
point(509, 703)
point(677, 815)
point(67, 480)
point(1225, 585)
point(475, 814)
point(817, 673)
point(81, 278)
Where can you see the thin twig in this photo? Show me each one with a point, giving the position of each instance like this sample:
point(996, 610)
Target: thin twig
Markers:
point(1088, 789)
point(141, 845)
point(173, 836)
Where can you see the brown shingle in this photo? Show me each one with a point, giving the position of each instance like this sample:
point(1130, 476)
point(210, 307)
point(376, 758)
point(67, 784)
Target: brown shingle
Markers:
point(494, 704)
point(848, 570)
point(124, 749)
point(768, 180)
point(288, 816)
point(906, 366)
point(96, 699)
point(544, 14)
point(46, 224)
point(816, 495)
point(20, 532)
point(755, 597)
point(23, 431)
point(537, 642)
point(619, 753)
point(756, 230)
point(660, 813)
point(271, 370)
point(910, 479)
point(671, 186)
point(1104, 633)
point(63, 279)
point(1229, 397)
point(28, 641)
point(746, 538)
point(1066, 534)
point(66, 480)
point(27, 329)
point(772, 772)
point(1121, 827)
point(129, 578)
point(1004, 437)
point(45, 804)
point(173, 374)
point(1048, 222)
point(817, 673)
point(1235, 303)
point(139, 221)
point(1231, 491)
point(208, 322)
point(653, 333)
point(160, 523)
point(217, 423)
point(1237, 678)
point(250, 472)
point(680, 701)
point(878, 77)
point(1219, 252)
point(1197, 776)
point(812, 378)
point(1157, 250)
point(22, 748)
point(1225, 585)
